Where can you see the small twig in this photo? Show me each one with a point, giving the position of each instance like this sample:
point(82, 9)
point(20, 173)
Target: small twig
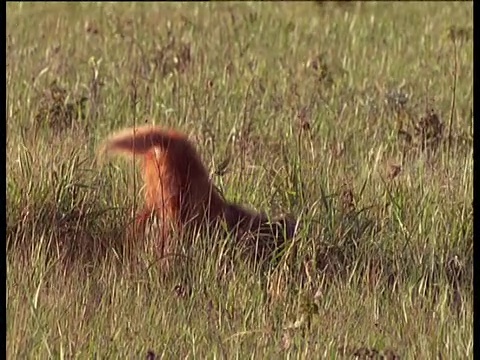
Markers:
point(454, 88)
point(245, 125)
point(133, 100)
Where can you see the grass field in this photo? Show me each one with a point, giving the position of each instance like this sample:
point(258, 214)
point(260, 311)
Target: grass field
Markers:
point(356, 118)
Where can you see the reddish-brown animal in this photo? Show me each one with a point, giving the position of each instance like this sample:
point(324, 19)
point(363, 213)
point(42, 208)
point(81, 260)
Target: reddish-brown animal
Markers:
point(178, 189)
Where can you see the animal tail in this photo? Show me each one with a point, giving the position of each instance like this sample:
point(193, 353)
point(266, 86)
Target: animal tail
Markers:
point(140, 140)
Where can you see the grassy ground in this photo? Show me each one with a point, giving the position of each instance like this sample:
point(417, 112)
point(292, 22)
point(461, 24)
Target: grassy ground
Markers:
point(356, 118)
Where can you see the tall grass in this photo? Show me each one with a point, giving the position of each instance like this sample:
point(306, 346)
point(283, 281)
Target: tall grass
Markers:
point(343, 114)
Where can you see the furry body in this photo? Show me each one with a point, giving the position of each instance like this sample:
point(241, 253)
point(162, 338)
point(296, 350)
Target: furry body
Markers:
point(178, 189)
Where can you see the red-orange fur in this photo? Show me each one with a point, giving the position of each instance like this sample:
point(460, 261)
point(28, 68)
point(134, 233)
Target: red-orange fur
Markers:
point(177, 185)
